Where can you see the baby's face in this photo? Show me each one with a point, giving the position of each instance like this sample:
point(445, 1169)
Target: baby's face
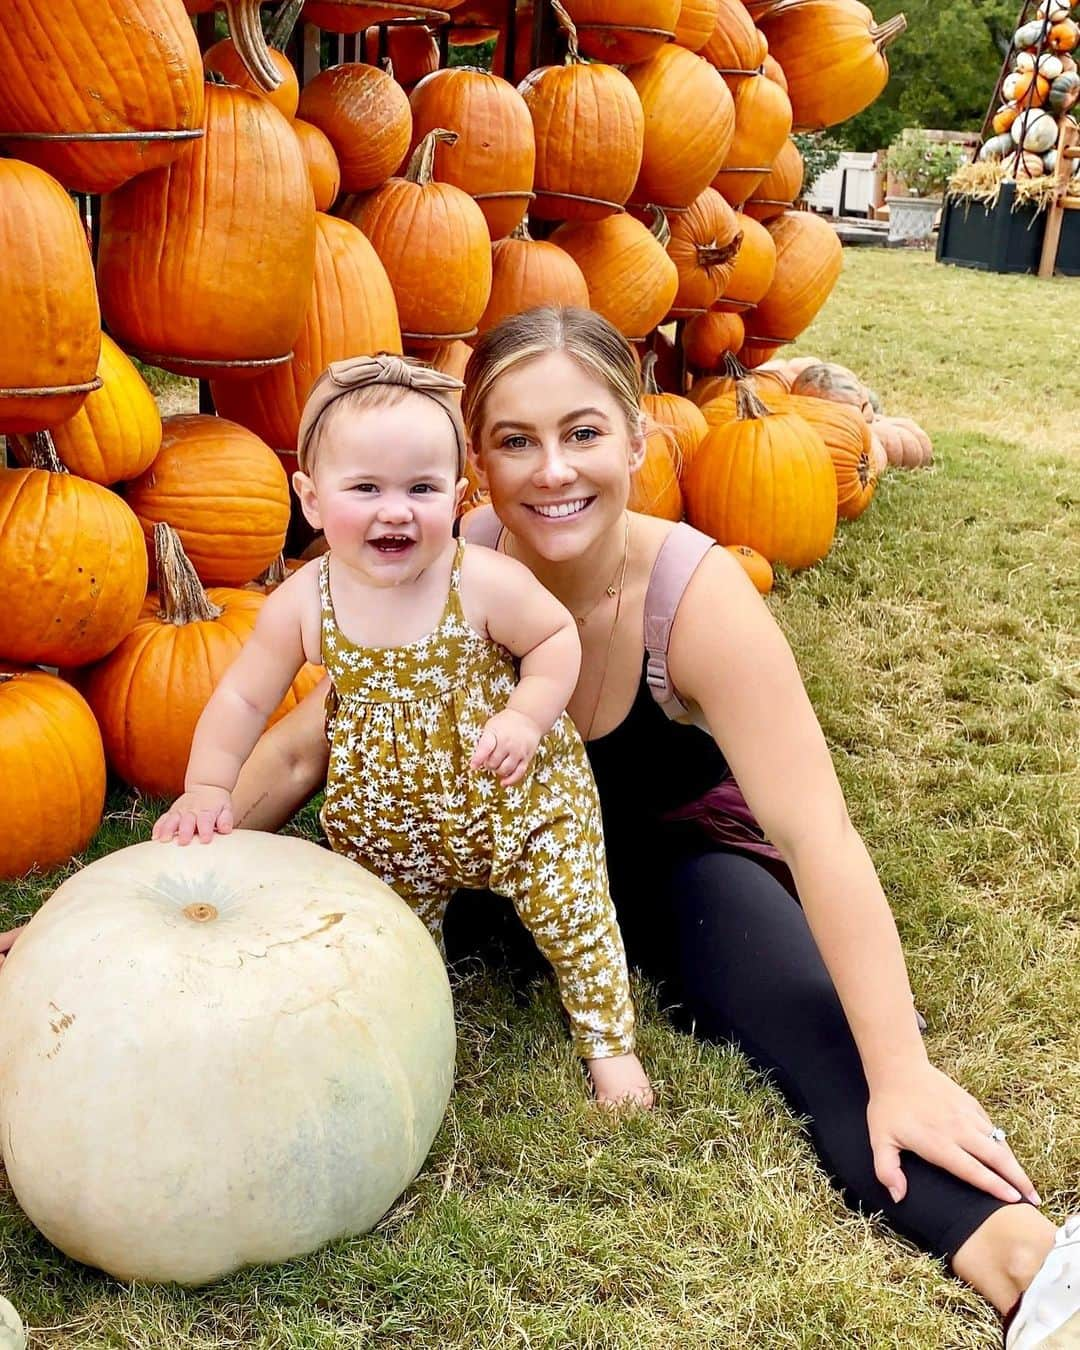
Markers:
point(386, 488)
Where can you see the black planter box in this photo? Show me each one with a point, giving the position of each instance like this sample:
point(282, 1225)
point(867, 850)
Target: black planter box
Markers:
point(999, 239)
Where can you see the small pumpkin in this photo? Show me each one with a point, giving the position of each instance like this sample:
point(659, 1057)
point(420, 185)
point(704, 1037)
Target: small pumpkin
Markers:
point(673, 414)
point(705, 241)
point(906, 445)
point(224, 492)
point(696, 22)
point(755, 267)
point(226, 59)
point(827, 380)
point(780, 188)
point(734, 46)
point(755, 566)
point(708, 338)
point(762, 126)
point(52, 790)
point(654, 488)
point(766, 480)
point(623, 31)
point(847, 438)
point(809, 258)
point(528, 272)
point(322, 163)
point(366, 117)
point(411, 48)
point(149, 693)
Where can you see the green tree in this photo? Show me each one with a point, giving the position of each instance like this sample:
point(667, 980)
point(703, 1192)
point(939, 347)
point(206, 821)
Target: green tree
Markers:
point(943, 69)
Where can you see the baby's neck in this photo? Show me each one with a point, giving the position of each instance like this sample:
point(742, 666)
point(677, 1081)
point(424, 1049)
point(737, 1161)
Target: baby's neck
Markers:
point(371, 615)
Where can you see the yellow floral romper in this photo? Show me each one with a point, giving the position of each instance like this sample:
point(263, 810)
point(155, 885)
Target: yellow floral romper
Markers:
point(402, 801)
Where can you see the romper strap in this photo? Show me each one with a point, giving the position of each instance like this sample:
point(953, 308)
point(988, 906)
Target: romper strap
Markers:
point(484, 527)
point(678, 560)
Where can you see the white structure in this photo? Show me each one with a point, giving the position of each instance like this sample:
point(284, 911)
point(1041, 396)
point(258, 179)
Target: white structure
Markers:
point(848, 189)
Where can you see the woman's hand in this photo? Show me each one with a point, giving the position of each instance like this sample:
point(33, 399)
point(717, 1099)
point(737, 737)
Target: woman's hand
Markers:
point(620, 1081)
point(202, 810)
point(506, 746)
point(924, 1111)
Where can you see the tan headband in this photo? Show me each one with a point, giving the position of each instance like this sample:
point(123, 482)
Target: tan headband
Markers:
point(357, 372)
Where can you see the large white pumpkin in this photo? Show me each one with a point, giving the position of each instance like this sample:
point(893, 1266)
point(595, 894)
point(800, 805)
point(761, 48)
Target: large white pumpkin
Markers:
point(219, 1054)
point(12, 1334)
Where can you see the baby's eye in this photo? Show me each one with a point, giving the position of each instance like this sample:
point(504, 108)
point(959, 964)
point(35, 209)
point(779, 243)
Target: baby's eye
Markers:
point(364, 487)
point(423, 487)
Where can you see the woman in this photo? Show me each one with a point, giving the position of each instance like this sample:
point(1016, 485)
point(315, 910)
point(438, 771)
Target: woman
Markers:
point(814, 990)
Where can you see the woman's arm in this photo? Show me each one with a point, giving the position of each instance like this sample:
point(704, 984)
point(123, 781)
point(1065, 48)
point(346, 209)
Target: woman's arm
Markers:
point(286, 768)
point(729, 656)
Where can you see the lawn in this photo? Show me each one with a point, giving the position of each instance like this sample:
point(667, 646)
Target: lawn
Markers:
point(938, 643)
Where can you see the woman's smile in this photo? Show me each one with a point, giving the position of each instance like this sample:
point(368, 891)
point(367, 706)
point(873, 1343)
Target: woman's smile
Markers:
point(561, 510)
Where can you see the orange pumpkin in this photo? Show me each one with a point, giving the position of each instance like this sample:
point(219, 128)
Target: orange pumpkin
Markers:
point(781, 186)
point(754, 353)
point(51, 334)
point(673, 414)
point(433, 241)
point(225, 59)
point(623, 31)
point(52, 790)
point(1064, 36)
point(809, 258)
point(352, 16)
point(72, 564)
point(411, 48)
point(322, 163)
point(678, 89)
point(365, 115)
point(149, 693)
point(754, 565)
point(589, 129)
point(847, 438)
point(494, 156)
point(734, 45)
point(117, 431)
point(527, 272)
point(184, 264)
point(833, 55)
point(351, 312)
point(905, 443)
point(632, 281)
point(773, 70)
point(704, 243)
point(765, 480)
point(708, 338)
point(755, 267)
point(223, 491)
point(762, 125)
point(696, 23)
point(654, 487)
point(99, 66)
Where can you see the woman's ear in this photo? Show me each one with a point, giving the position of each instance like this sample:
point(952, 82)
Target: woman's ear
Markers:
point(477, 467)
point(304, 487)
point(637, 445)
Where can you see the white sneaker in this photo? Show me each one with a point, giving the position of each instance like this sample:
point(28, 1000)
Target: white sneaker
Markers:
point(1048, 1315)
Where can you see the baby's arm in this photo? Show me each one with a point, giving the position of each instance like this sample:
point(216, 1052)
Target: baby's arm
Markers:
point(238, 709)
point(525, 618)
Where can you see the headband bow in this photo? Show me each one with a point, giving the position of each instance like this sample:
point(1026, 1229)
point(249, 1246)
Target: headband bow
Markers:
point(358, 371)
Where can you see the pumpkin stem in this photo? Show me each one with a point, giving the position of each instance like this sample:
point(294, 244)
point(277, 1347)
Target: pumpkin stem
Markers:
point(659, 229)
point(180, 591)
point(282, 23)
point(713, 255)
point(734, 369)
point(566, 23)
point(422, 165)
point(275, 574)
point(889, 31)
point(37, 451)
point(747, 404)
point(388, 65)
point(648, 373)
point(247, 34)
point(521, 230)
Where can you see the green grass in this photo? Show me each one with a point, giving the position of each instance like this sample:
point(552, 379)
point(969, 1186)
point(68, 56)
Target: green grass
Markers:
point(938, 644)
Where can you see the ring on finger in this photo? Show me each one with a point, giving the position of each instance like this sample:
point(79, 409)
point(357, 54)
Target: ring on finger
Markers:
point(997, 1134)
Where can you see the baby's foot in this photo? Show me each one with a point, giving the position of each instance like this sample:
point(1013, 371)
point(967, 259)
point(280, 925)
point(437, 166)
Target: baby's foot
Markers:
point(620, 1080)
point(1048, 1315)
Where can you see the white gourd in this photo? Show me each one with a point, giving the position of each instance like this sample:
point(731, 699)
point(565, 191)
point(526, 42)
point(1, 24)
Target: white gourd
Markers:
point(1035, 130)
point(12, 1333)
point(218, 1055)
point(1050, 65)
point(1010, 85)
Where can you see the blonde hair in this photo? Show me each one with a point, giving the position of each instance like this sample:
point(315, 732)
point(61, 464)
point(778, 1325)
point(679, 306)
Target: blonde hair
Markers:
point(586, 337)
point(361, 399)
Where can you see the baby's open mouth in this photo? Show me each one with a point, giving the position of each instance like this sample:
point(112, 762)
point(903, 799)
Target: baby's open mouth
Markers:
point(392, 543)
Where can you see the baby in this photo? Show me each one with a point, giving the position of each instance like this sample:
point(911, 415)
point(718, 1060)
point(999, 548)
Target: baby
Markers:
point(447, 768)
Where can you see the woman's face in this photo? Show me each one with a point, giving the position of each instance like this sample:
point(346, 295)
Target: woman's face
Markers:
point(557, 454)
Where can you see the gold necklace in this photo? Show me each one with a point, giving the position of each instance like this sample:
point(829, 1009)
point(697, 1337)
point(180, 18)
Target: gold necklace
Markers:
point(609, 592)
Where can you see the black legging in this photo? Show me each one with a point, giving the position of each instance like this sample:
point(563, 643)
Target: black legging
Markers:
point(733, 953)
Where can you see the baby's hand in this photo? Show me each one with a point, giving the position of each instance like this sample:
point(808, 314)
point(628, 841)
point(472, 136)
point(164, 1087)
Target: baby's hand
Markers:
point(203, 810)
point(506, 745)
point(620, 1081)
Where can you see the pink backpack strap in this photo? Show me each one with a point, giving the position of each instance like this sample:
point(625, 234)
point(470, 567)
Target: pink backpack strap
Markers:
point(679, 557)
point(484, 527)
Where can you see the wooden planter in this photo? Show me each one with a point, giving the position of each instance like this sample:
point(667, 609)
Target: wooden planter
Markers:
point(999, 239)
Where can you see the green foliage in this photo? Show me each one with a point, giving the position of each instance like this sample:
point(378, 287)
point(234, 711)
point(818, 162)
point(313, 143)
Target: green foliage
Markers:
point(820, 150)
point(943, 69)
point(924, 165)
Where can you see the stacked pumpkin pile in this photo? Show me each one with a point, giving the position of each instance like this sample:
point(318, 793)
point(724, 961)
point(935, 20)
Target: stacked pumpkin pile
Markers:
point(1039, 92)
point(656, 162)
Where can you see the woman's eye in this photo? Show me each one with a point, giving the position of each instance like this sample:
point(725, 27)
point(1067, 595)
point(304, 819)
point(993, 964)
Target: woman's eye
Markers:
point(514, 443)
point(584, 434)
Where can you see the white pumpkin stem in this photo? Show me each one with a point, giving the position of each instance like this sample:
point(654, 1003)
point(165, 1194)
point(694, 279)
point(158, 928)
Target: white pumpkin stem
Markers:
point(422, 165)
point(283, 22)
point(659, 229)
point(38, 451)
point(566, 23)
point(180, 592)
point(245, 28)
point(648, 374)
point(521, 230)
point(275, 574)
point(748, 406)
point(884, 33)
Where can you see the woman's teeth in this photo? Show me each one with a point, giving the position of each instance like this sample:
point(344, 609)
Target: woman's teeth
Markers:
point(563, 508)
